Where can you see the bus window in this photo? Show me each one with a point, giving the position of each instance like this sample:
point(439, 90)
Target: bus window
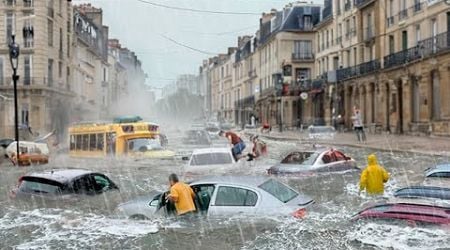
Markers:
point(92, 142)
point(79, 142)
point(100, 142)
point(72, 142)
point(85, 142)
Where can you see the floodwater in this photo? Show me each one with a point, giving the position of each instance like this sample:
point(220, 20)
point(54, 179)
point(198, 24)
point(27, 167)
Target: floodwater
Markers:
point(90, 223)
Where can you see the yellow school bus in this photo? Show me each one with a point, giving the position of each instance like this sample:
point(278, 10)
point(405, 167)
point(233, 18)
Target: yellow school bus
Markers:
point(135, 139)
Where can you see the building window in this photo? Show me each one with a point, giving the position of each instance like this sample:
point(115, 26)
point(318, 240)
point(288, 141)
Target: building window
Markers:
point(27, 3)
point(391, 44)
point(435, 96)
point(27, 69)
point(60, 67)
point(68, 45)
point(347, 28)
point(50, 72)
point(10, 2)
point(50, 32)
point(418, 34)
point(28, 34)
point(1, 71)
point(307, 22)
point(25, 115)
point(9, 25)
point(68, 78)
point(303, 49)
point(355, 60)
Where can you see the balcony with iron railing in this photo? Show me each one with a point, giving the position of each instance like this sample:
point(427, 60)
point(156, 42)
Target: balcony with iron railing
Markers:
point(402, 14)
point(425, 48)
point(369, 33)
point(358, 70)
point(28, 3)
point(252, 73)
point(248, 101)
point(347, 5)
point(10, 3)
point(390, 21)
point(417, 7)
point(302, 56)
point(363, 3)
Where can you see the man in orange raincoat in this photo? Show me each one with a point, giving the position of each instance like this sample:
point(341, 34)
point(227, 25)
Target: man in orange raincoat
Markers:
point(373, 177)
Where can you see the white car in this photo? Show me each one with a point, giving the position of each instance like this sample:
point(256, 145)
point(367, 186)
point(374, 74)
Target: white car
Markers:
point(321, 132)
point(210, 160)
point(309, 162)
point(220, 196)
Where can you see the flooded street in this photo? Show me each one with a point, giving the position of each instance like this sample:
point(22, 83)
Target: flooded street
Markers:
point(90, 222)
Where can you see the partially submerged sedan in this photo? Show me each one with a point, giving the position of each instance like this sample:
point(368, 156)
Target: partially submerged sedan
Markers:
point(413, 212)
point(226, 196)
point(438, 171)
point(310, 162)
point(62, 184)
point(210, 160)
point(427, 192)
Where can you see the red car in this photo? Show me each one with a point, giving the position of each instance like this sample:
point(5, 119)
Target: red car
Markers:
point(409, 212)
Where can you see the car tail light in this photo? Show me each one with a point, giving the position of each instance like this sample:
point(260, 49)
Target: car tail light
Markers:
point(299, 213)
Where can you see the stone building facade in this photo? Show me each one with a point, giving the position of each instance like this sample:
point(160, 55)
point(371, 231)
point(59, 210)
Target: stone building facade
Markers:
point(45, 89)
point(66, 71)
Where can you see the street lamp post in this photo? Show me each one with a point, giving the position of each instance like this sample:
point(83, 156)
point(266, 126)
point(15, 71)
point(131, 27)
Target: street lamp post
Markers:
point(14, 52)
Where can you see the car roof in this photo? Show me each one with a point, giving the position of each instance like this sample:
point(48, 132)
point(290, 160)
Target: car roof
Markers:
point(438, 168)
point(211, 150)
point(249, 181)
point(60, 175)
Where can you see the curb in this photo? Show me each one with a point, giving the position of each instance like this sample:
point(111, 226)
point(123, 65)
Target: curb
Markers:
point(364, 146)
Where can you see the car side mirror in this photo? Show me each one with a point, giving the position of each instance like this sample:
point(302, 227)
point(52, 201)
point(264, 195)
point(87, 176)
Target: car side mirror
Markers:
point(185, 158)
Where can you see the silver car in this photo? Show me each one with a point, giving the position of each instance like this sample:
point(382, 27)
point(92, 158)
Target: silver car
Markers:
point(309, 162)
point(226, 196)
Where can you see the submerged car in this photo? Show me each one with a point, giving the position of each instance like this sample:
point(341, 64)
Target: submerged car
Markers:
point(439, 171)
point(310, 162)
point(213, 129)
point(197, 137)
point(30, 153)
point(226, 196)
point(62, 184)
point(210, 160)
point(321, 132)
point(407, 211)
point(423, 192)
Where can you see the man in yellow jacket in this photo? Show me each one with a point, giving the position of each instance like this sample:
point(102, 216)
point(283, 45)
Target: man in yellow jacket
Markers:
point(373, 177)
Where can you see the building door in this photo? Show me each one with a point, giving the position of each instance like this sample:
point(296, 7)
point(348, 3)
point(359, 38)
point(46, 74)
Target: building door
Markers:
point(400, 106)
point(435, 96)
point(388, 108)
point(404, 40)
point(415, 100)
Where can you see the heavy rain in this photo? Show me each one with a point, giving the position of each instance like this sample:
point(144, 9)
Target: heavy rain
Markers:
point(240, 124)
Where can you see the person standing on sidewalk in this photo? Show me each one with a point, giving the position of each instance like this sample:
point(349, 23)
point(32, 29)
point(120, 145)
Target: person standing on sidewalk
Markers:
point(358, 125)
point(373, 177)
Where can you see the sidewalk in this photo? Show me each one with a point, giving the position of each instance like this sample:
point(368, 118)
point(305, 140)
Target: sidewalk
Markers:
point(383, 142)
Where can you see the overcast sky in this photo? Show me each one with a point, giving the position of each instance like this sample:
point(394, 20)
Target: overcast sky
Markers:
point(141, 27)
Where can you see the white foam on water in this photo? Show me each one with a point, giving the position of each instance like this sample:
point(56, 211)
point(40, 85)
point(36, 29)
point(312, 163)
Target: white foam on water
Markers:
point(400, 237)
point(72, 228)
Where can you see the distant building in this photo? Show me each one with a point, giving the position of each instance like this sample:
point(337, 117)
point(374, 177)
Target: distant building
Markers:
point(43, 30)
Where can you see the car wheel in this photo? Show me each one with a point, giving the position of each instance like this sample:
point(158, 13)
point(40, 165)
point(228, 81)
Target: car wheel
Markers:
point(138, 217)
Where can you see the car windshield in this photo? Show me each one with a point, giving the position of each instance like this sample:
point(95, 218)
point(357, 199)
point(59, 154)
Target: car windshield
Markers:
point(144, 144)
point(37, 185)
point(301, 158)
point(279, 190)
point(211, 159)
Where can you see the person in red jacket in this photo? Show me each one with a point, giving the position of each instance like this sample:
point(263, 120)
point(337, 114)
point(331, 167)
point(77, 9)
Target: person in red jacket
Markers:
point(236, 141)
